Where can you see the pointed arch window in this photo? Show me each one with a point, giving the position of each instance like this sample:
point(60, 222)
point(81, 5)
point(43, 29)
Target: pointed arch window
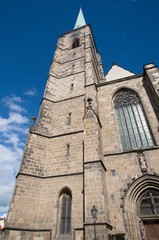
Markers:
point(65, 223)
point(150, 203)
point(76, 43)
point(133, 127)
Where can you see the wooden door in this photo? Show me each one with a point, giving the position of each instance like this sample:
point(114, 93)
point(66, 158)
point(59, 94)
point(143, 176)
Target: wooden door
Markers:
point(152, 231)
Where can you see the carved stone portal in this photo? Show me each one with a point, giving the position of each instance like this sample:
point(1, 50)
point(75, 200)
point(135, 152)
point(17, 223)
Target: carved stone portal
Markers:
point(142, 231)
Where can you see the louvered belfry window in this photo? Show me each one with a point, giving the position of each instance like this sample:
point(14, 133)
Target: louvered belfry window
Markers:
point(76, 43)
point(65, 227)
point(132, 124)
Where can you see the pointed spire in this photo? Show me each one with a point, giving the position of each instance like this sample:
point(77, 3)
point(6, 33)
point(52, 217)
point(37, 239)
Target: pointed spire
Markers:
point(80, 22)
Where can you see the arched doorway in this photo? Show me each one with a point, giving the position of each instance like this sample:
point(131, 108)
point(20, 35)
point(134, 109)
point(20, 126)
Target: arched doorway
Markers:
point(141, 209)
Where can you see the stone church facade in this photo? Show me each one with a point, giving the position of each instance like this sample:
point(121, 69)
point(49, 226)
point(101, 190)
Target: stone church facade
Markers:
point(95, 143)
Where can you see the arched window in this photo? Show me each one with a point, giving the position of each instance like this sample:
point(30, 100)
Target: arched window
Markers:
point(150, 203)
point(65, 222)
point(75, 43)
point(133, 128)
point(149, 214)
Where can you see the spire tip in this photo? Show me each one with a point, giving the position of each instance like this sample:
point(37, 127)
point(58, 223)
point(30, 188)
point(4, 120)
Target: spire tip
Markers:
point(80, 22)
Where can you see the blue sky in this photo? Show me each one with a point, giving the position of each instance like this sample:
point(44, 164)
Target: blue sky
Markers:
point(126, 33)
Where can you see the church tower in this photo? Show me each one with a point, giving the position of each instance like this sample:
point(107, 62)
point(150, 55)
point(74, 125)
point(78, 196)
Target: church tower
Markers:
point(94, 150)
point(54, 191)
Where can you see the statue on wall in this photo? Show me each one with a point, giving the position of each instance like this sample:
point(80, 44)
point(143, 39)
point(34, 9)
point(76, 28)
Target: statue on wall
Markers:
point(142, 162)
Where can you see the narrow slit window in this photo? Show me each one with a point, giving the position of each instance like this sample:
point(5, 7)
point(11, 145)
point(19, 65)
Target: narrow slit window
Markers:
point(71, 87)
point(69, 118)
point(112, 197)
point(68, 150)
point(113, 173)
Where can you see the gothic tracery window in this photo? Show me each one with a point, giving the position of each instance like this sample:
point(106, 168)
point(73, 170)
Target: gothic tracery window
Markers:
point(150, 203)
point(133, 128)
point(65, 223)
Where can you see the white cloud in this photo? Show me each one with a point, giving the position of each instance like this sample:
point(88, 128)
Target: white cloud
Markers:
point(30, 92)
point(13, 103)
point(13, 131)
point(14, 118)
point(3, 216)
point(10, 158)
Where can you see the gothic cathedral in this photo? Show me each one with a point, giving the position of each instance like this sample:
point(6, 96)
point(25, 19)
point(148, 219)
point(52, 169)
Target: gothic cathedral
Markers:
point(90, 168)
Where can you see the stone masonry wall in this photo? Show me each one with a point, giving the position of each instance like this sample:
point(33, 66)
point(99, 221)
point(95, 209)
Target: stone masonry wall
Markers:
point(36, 204)
point(62, 117)
point(55, 159)
point(60, 160)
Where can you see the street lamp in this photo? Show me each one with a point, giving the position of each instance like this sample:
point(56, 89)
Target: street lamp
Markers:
point(94, 217)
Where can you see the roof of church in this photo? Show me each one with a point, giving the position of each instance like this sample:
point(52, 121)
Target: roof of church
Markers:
point(80, 22)
point(117, 72)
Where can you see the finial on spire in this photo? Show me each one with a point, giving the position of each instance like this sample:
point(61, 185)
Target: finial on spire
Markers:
point(80, 22)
